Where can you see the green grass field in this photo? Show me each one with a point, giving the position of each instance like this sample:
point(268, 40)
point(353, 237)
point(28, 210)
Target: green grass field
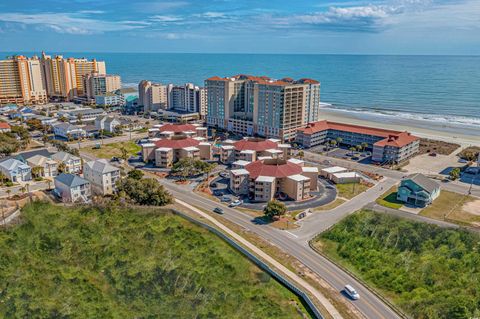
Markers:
point(113, 149)
point(428, 271)
point(350, 190)
point(128, 263)
point(389, 199)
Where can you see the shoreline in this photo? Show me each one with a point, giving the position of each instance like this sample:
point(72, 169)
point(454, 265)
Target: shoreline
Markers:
point(425, 129)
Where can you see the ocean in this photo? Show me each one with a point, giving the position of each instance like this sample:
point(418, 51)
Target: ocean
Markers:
point(437, 89)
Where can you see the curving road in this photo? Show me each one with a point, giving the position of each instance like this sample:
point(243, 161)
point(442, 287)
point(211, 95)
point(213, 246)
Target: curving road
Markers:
point(297, 245)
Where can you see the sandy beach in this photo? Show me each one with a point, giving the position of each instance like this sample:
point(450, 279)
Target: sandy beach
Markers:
point(464, 136)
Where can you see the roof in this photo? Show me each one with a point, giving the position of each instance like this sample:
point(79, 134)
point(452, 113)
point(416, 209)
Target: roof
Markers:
point(26, 155)
point(310, 169)
point(296, 161)
point(101, 166)
point(263, 80)
point(164, 149)
point(64, 156)
point(227, 147)
point(299, 178)
point(284, 146)
point(247, 152)
point(255, 144)
point(240, 171)
point(177, 143)
point(273, 167)
point(66, 126)
point(424, 182)
point(71, 180)
point(177, 128)
point(391, 138)
point(268, 179)
point(346, 175)
point(190, 148)
point(241, 163)
point(12, 164)
point(273, 151)
point(39, 160)
point(4, 125)
point(334, 169)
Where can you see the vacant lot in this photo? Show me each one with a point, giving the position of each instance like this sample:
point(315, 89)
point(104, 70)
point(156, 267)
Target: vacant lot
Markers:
point(470, 153)
point(428, 271)
point(454, 207)
point(113, 149)
point(351, 190)
point(122, 263)
point(434, 146)
point(389, 199)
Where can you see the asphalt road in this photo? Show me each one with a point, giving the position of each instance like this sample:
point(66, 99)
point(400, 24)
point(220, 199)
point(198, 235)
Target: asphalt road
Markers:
point(456, 186)
point(369, 304)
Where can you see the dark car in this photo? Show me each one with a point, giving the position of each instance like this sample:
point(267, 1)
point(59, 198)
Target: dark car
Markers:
point(213, 185)
point(218, 210)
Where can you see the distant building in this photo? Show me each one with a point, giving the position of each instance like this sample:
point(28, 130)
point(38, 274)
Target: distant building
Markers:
point(109, 99)
point(186, 98)
point(152, 96)
point(21, 81)
point(73, 164)
point(15, 170)
point(102, 176)
point(68, 131)
point(386, 145)
point(418, 190)
point(72, 188)
point(252, 105)
point(101, 84)
point(251, 149)
point(84, 114)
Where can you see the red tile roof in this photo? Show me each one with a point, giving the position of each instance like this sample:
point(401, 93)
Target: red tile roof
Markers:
point(177, 143)
point(177, 128)
point(4, 125)
point(273, 167)
point(254, 144)
point(392, 138)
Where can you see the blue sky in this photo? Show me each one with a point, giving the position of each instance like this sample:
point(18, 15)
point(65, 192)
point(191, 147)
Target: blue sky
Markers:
point(294, 26)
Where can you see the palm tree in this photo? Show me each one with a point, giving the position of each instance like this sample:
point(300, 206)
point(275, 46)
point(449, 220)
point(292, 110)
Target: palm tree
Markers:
point(8, 191)
point(37, 171)
point(23, 189)
point(364, 145)
point(352, 149)
point(339, 140)
point(124, 155)
point(62, 167)
point(301, 154)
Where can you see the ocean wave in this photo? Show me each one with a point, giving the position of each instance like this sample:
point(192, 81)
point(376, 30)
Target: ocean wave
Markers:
point(439, 119)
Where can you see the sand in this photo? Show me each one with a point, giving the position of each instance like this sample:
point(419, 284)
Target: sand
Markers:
point(472, 207)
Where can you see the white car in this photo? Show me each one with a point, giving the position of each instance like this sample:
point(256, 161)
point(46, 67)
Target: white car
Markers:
point(236, 203)
point(351, 292)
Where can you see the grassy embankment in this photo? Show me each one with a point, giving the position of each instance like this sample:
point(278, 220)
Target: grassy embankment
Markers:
point(350, 190)
point(389, 199)
point(428, 271)
point(112, 149)
point(121, 263)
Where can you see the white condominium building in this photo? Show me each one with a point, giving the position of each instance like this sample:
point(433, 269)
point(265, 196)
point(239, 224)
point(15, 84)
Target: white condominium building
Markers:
point(101, 84)
point(251, 105)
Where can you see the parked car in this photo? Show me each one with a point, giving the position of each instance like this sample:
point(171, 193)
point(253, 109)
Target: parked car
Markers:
point(225, 198)
point(351, 292)
point(236, 203)
point(223, 174)
point(213, 185)
point(462, 160)
point(218, 210)
point(432, 154)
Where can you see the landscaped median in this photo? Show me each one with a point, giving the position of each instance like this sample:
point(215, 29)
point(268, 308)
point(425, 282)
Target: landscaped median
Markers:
point(428, 271)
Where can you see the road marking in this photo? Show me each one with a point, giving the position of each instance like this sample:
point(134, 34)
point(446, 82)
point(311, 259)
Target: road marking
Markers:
point(291, 234)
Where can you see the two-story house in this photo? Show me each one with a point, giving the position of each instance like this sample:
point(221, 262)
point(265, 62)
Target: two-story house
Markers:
point(72, 188)
point(73, 164)
point(48, 167)
point(15, 170)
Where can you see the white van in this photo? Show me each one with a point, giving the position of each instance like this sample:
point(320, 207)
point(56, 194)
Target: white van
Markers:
point(351, 292)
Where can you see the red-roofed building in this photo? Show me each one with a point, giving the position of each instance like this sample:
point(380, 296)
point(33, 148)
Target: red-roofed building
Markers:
point(5, 127)
point(266, 179)
point(169, 130)
point(261, 106)
point(165, 152)
point(386, 145)
point(251, 149)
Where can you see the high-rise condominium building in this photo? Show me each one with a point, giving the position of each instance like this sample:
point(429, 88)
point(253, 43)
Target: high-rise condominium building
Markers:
point(64, 78)
point(152, 96)
point(21, 81)
point(251, 105)
point(186, 98)
point(100, 84)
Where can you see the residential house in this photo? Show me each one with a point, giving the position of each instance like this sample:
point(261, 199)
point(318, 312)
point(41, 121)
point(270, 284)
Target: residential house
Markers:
point(73, 164)
point(67, 130)
point(418, 190)
point(48, 167)
point(107, 123)
point(5, 127)
point(72, 188)
point(15, 170)
point(102, 176)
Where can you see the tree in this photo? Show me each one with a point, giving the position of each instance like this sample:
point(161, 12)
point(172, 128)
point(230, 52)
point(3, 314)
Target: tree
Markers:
point(35, 124)
point(8, 191)
point(135, 174)
point(352, 149)
point(37, 171)
point(339, 140)
point(23, 189)
point(188, 166)
point(124, 155)
point(364, 145)
point(454, 173)
point(62, 167)
point(79, 118)
point(333, 143)
point(274, 209)
point(301, 154)
point(146, 191)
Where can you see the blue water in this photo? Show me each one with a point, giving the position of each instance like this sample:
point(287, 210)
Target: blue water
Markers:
point(439, 88)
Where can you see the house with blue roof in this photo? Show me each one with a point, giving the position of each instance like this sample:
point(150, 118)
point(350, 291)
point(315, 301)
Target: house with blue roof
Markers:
point(72, 188)
point(418, 190)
